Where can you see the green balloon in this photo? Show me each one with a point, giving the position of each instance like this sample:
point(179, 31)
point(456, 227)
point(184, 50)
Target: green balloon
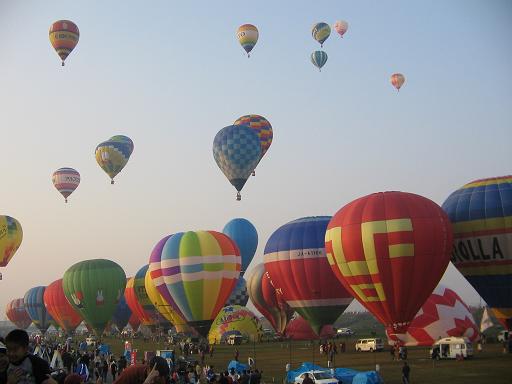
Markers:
point(94, 288)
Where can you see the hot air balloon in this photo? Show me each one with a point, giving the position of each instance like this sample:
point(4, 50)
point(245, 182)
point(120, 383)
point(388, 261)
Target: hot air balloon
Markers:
point(122, 314)
point(397, 80)
point(262, 128)
point(244, 234)
point(64, 35)
point(235, 320)
point(268, 300)
point(17, 314)
point(481, 214)
point(66, 180)
point(444, 314)
point(113, 154)
point(296, 262)
point(94, 289)
point(34, 305)
point(247, 35)
point(59, 308)
point(319, 58)
point(341, 26)
point(321, 32)
point(11, 235)
point(390, 249)
point(239, 296)
point(195, 272)
point(299, 329)
point(134, 322)
point(237, 151)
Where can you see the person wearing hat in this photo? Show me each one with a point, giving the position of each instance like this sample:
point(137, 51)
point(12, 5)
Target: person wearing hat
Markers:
point(4, 362)
point(157, 372)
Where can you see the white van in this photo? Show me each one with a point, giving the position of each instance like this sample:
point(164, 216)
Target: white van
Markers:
point(369, 345)
point(451, 348)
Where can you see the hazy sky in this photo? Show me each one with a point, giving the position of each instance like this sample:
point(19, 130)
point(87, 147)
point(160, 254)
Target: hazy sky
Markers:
point(171, 74)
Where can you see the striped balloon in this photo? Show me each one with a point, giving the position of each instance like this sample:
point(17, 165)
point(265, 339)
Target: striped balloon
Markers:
point(59, 308)
point(319, 58)
point(397, 80)
point(64, 35)
point(262, 128)
point(247, 35)
point(66, 180)
point(112, 155)
point(17, 314)
point(34, 305)
point(195, 272)
point(481, 214)
point(321, 32)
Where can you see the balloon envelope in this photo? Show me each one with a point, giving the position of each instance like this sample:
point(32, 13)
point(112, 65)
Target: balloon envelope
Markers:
point(244, 234)
point(112, 155)
point(319, 58)
point(66, 180)
point(59, 308)
point(262, 127)
point(295, 260)
point(321, 32)
point(397, 80)
point(341, 26)
point(247, 35)
point(17, 314)
point(299, 329)
point(235, 320)
point(195, 272)
point(64, 35)
point(11, 236)
point(34, 305)
point(481, 214)
point(390, 249)
point(122, 314)
point(94, 288)
point(239, 296)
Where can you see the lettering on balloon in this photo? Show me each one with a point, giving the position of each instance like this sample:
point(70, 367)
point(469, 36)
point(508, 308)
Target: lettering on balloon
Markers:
point(478, 249)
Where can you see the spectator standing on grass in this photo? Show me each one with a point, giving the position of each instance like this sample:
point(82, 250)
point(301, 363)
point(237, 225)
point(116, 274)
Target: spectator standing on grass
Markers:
point(307, 379)
point(406, 371)
point(392, 352)
point(237, 354)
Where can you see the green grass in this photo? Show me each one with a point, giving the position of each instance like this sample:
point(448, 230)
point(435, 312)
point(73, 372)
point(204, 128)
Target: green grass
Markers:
point(490, 366)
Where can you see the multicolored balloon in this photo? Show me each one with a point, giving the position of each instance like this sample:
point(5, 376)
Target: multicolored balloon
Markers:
point(66, 180)
point(195, 272)
point(239, 296)
point(268, 299)
point(319, 58)
point(237, 152)
point(444, 314)
point(341, 26)
point(64, 35)
point(59, 308)
point(247, 35)
point(16, 313)
point(321, 32)
point(244, 234)
point(262, 127)
point(11, 236)
point(34, 305)
point(94, 289)
point(397, 80)
point(112, 155)
point(122, 314)
point(481, 214)
point(296, 262)
point(390, 249)
point(235, 320)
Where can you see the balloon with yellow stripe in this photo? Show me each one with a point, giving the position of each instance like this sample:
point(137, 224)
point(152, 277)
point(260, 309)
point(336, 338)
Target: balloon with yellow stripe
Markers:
point(195, 273)
point(64, 35)
point(112, 155)
point(11, 236)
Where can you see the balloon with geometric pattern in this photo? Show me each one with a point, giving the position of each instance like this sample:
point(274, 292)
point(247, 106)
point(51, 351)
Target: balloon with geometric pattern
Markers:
point(64, 35)
point(112, 155)
point(239, 296)
point(66, 180)
point(262, 127)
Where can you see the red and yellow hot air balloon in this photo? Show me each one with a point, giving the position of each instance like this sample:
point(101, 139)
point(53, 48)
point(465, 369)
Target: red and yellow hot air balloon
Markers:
point(397, 80)
point(17, 314)
point(390, 249)
point(59, 308)
point(11, 236)
point(64, 35)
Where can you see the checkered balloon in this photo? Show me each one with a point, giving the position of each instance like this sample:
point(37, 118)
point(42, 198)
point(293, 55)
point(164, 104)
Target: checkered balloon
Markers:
point(239, 296)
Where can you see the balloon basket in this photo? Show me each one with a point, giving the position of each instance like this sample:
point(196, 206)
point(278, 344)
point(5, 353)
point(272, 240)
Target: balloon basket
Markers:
point(111, 182)
point(238, 196)
point(62, 64)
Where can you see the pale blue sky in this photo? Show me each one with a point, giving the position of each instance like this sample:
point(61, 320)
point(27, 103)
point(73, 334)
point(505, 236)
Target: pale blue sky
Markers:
point(171, 74)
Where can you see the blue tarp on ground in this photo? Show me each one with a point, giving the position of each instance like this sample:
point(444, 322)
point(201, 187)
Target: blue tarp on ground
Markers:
point(239, 367)
point(345, 375)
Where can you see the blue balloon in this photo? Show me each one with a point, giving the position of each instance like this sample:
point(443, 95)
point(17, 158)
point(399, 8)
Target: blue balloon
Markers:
point(239, 296)
point(122, 314)
point(319, 58)
point(244, 234)
point(34, 305)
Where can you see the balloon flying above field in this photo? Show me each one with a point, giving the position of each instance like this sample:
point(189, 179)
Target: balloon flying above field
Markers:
point(59, 308)
point(296, 262)
point(319, 58)
point(481, 214)
point(195, 272)
point(321, 32)
point(244, 234)
point(397, 80)
point(237, 152)
point(94, 289)
point(66, 180)
point(34, 305)
point(113, 154)
point(262, 127)
point(64, 35)
point(341, 26)
point(390, 249)
point(247, 35)
point(17, 314)
point(11, 236)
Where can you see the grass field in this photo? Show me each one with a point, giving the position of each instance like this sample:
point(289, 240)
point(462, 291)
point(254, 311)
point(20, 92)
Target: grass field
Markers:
point(490, 366)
